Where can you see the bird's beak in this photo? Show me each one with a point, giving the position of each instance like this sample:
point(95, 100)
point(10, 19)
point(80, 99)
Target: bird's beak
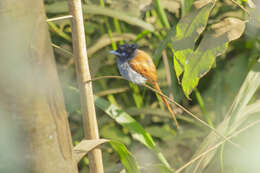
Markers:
point(115, 52)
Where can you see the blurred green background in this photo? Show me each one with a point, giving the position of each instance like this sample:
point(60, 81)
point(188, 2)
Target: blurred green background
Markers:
point(152, 24)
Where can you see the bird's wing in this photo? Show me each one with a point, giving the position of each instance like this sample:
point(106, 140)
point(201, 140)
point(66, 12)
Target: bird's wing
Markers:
point(143, 64)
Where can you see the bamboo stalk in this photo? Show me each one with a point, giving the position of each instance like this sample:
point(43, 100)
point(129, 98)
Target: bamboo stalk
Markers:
point(83, 75)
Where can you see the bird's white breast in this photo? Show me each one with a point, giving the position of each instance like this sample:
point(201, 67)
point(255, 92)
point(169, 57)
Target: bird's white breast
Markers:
point(127, 72)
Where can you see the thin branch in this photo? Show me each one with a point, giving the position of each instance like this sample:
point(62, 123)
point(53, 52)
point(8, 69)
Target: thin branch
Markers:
point(59, 31)
point(172, 101)
point(65, 53)
point(69, 54)
point(198, 165)
point(243, 8)
point(59, 18)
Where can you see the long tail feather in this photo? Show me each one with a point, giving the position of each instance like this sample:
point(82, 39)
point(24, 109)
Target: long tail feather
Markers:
point(157, 87)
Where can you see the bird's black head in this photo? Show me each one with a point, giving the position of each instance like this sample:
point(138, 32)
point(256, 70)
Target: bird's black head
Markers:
point(125, 51)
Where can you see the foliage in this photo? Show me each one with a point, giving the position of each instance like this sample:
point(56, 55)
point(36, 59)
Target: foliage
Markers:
point(209, 46)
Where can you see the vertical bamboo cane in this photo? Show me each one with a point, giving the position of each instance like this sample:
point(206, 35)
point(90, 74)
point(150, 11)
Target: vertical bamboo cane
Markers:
point(83, 75)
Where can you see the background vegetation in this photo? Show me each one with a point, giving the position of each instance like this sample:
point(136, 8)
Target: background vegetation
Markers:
point(197, 65)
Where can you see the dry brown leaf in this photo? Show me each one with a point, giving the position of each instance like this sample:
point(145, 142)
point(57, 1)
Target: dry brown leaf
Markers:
point(201, 3)
point(85, 146)
point(231, 26)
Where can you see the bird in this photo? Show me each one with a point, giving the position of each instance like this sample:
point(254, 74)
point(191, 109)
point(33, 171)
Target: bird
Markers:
point(137, 66)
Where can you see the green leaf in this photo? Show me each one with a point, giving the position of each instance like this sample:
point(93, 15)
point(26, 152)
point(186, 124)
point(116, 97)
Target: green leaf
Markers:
point(162, 132)
point(126, 157)
point(126, 121)
point(110, 131)
point(136, 130)
point(179, 61)
point(198, 65)
point(161, 13)
point(62, 7)
point(214, 43)
point(187, 32)
point(191, 26)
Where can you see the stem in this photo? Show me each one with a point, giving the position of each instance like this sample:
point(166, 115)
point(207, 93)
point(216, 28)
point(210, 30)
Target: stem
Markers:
point(59, 18)
point(86, 92)
point(221, 160)
point(54, 28)
point(109, 31)
point(110, 97)
point(202, 107)
point(243, 8)
point(161, 13)
point(118, 28)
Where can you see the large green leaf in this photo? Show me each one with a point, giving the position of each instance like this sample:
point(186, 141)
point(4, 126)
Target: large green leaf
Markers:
point(187, 32)
point(214, 43)
point(62, 7)
point(191, 26)
point(195, 64)
point(126, 121)
point(238, 113)
point(136, 130)
point(110, 131)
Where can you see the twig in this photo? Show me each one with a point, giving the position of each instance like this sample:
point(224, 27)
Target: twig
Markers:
point(243, 8)
point(59, 31)
point(69, 54)
point(59, 18)
point(198, 165)
point(61, 50)
point(86, 92)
